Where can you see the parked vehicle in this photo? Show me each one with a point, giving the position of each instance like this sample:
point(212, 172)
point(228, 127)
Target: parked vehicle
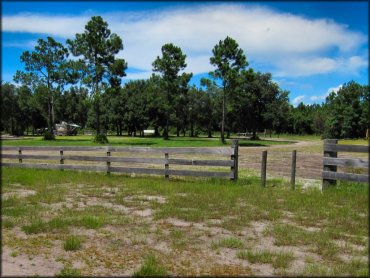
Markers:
point(65, 128)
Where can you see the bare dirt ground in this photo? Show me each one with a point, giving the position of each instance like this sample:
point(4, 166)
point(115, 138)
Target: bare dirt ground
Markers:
point(309, 159)
point(118, 250)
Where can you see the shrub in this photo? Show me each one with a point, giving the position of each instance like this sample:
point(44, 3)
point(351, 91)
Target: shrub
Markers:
point(49, 136)
point(101, 139)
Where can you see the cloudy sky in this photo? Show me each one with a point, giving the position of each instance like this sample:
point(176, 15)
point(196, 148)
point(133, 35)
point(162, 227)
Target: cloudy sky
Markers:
point(311, 48)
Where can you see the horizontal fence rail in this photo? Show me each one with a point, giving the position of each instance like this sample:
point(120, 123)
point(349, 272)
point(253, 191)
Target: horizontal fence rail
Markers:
point(331, 162)
point(231, 162)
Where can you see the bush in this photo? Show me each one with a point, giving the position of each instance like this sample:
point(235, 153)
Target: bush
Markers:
point(101, 139)
point(49, 136)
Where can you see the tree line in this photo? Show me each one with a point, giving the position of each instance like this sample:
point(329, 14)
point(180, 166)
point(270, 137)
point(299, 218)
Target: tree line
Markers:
point(86, 89)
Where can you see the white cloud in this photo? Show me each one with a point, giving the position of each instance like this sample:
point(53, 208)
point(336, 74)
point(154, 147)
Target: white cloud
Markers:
point(20, 44)
point(297, 100)
point(334, 89)
point(306, 66)
point(291, 44)
point(323, 96)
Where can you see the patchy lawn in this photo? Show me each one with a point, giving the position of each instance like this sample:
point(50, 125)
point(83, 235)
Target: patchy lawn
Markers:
point(76, 223)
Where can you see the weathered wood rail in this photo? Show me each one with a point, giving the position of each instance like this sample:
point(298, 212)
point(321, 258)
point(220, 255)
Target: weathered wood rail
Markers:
point(331, 162)
point(166, 161)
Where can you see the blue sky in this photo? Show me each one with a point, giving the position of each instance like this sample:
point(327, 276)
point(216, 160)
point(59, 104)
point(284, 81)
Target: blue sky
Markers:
point(311, 48)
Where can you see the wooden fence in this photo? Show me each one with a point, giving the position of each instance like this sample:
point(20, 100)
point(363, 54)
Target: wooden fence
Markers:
point(166, 161)
point(331, 162)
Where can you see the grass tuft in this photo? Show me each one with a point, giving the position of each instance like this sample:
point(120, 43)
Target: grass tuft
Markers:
point(230, 242)
point(72, 243)
point(35, 227)
point(92, 222)
point(69, 272)
point(150, 268)
point(277, 259)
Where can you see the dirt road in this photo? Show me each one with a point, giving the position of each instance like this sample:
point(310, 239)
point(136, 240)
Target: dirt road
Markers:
point(309, 159)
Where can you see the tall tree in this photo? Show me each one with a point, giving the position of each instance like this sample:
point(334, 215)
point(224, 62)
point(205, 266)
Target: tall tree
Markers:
point(45, 66)
point(347, 110)
point(98, 65)
point(169, 66)
point(229, 60)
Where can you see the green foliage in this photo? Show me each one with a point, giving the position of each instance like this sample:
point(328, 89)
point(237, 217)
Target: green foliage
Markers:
point(45, 66)
point(48, 136)
point(101, 139)
point(246, 100)
point(229, 60)
point(347, 110)
point(98, 47)
point(150, 268)
point(173, 85)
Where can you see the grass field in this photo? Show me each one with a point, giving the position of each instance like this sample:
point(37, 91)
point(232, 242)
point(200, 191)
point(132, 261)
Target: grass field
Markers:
point(75, 223)
point(86, 140)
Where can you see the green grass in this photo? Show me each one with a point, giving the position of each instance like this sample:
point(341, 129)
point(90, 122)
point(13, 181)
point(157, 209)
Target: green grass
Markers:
point(92, 222)
point(69, 272)
point(277, 259)
point(295, 137)
point(85, 140)
point(72, 243)
point(150, 268)
point(315, 220)
point(229, 242)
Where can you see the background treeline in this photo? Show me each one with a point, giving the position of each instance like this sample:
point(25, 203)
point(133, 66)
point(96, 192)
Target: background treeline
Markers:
point(87, 90)
point(138, 105)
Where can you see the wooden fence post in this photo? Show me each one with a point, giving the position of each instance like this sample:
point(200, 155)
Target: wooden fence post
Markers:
point(61, 159)
point(292, 175)
point(263, 168)
point(235, 158)
point(20, 153)
point(166, 166)
point(108, 161)
point(327, 182)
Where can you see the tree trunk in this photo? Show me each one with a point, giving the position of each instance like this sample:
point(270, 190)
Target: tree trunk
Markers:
point(49, 118)
point(209, 133)
point(223, 117)
point(156, 131)
point(165, 132)
point(97, 118)
point(191, 129)
point(52, 112)
point(177, 131)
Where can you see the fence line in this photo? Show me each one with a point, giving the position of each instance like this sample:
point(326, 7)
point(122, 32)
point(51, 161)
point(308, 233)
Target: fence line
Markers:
point(231, 152)
point(331, 162)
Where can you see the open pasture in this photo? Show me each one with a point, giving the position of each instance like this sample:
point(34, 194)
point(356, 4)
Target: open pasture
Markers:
point(78, 223)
